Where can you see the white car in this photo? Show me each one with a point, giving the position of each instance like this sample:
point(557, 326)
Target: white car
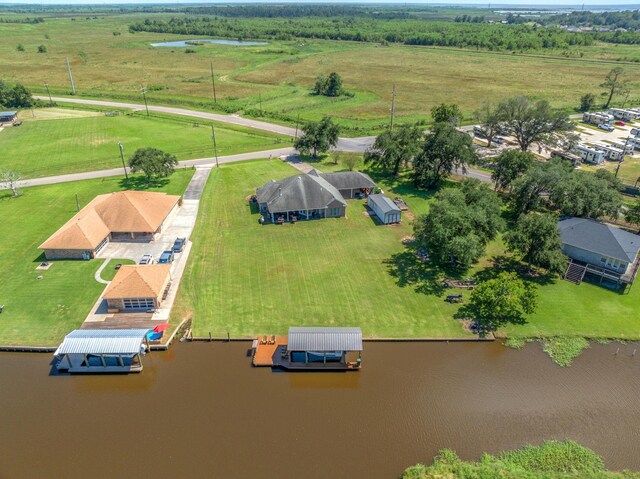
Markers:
point(147, 259)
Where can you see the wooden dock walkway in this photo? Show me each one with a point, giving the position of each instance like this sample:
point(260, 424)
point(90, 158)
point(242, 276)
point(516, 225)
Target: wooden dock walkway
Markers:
point(264, 354)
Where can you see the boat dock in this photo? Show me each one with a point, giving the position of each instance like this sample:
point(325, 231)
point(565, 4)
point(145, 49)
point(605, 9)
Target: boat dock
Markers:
point(266, 348)
point(310, 349)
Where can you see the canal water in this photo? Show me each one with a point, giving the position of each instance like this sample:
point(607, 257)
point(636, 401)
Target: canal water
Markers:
point(200, 410)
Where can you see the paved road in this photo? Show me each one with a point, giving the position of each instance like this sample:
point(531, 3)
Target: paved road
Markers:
point(87, 175)
point(356, 145)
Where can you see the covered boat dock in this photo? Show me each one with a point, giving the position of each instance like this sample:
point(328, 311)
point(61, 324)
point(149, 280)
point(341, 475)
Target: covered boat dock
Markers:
point(316, 348)
point(102, 351)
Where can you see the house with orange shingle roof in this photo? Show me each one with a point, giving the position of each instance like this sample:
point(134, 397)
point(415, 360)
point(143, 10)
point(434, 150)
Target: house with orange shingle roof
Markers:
point(120, 216)
point(138, 287)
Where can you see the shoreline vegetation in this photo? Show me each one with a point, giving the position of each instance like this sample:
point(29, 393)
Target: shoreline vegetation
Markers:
point(550, 460)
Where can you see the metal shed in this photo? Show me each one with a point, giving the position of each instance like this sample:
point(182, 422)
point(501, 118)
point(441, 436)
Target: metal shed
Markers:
point(385, 209)
point(101, 350)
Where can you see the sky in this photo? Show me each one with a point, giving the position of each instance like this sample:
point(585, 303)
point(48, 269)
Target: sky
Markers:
point(520, 3)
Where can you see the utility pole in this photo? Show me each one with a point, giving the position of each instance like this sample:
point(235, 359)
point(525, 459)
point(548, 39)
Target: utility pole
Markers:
point(260, 100)
point(624, 153)
point(73, 87)
point(213, 85)
point(46, 85)
point(297, 122)
point(144, 95)
point(77, 202)
point(215, 147)
point(124, 166)
point(393, 105)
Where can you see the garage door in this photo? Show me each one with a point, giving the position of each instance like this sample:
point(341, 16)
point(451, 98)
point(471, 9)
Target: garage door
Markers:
point(138, 303)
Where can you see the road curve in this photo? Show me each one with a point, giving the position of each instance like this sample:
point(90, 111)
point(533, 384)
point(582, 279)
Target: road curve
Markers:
point(355, 145)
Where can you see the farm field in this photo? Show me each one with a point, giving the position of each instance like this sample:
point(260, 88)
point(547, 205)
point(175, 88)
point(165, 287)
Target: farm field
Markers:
point(59, 141)
point(42, 311)
point(274, 80)
point(248, 279)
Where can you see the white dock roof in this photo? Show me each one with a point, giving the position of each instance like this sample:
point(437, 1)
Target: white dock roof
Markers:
point(102, 341)
point(324, 339)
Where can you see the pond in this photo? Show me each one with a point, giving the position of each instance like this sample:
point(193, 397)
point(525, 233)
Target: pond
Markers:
point(200, 410)
point(186, 43)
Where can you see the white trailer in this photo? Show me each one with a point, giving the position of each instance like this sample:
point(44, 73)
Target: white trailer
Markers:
point(590, 155)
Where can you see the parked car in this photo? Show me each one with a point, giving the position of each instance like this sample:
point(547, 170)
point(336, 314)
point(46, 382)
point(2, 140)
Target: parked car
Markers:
point(620, 123)
point(147, 259)
point(605, 126)
point(178, 245)
point(166, 257)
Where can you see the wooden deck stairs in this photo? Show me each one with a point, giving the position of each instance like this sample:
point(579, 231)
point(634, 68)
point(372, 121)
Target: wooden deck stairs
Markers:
point(575, 272)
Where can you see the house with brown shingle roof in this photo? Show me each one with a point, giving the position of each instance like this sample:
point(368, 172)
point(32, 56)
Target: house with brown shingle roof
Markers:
point(120, 216)
point(138, 287)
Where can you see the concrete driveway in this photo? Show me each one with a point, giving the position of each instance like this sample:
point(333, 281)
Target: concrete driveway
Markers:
point(179, 225)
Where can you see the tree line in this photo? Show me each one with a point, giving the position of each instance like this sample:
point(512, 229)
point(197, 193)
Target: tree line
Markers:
point(495, 37)
point(27, 20)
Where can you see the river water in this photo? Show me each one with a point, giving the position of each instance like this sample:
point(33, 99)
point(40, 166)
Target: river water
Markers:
point(201, 410)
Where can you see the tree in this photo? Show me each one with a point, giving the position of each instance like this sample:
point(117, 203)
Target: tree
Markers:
point(320, 86)
point(9, 180)
point(526, 191)
point(153, 163)
point(445, 113)
point(395, 148)
point(510, 165)
point(15, 97)
point(444, 150)
point(349, 161)
point(328, 86)
point(613, 84)
point(459, 224)
point(587, 194)
point(587, 102)
point(491, 122)
point(334, 85)
point(20, 47)
point(317, 137)
point(42, 49)
point(535, 122)
point(632, 215)
point(537, 239)
point(502, 300)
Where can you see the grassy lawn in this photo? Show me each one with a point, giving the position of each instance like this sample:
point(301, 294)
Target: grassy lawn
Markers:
point(250, 279)
point(277, 77)
point(43, 311)
point(45, 146)
point(110, 271)
point(587, 310)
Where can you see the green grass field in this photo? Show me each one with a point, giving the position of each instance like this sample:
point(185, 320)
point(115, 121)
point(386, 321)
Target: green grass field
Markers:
point(54, 145)
point(43, 311)
point(249, 279)
point(278, 76)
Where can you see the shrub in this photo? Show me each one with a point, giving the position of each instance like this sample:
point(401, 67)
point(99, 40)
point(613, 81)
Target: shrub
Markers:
point(42, 49)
